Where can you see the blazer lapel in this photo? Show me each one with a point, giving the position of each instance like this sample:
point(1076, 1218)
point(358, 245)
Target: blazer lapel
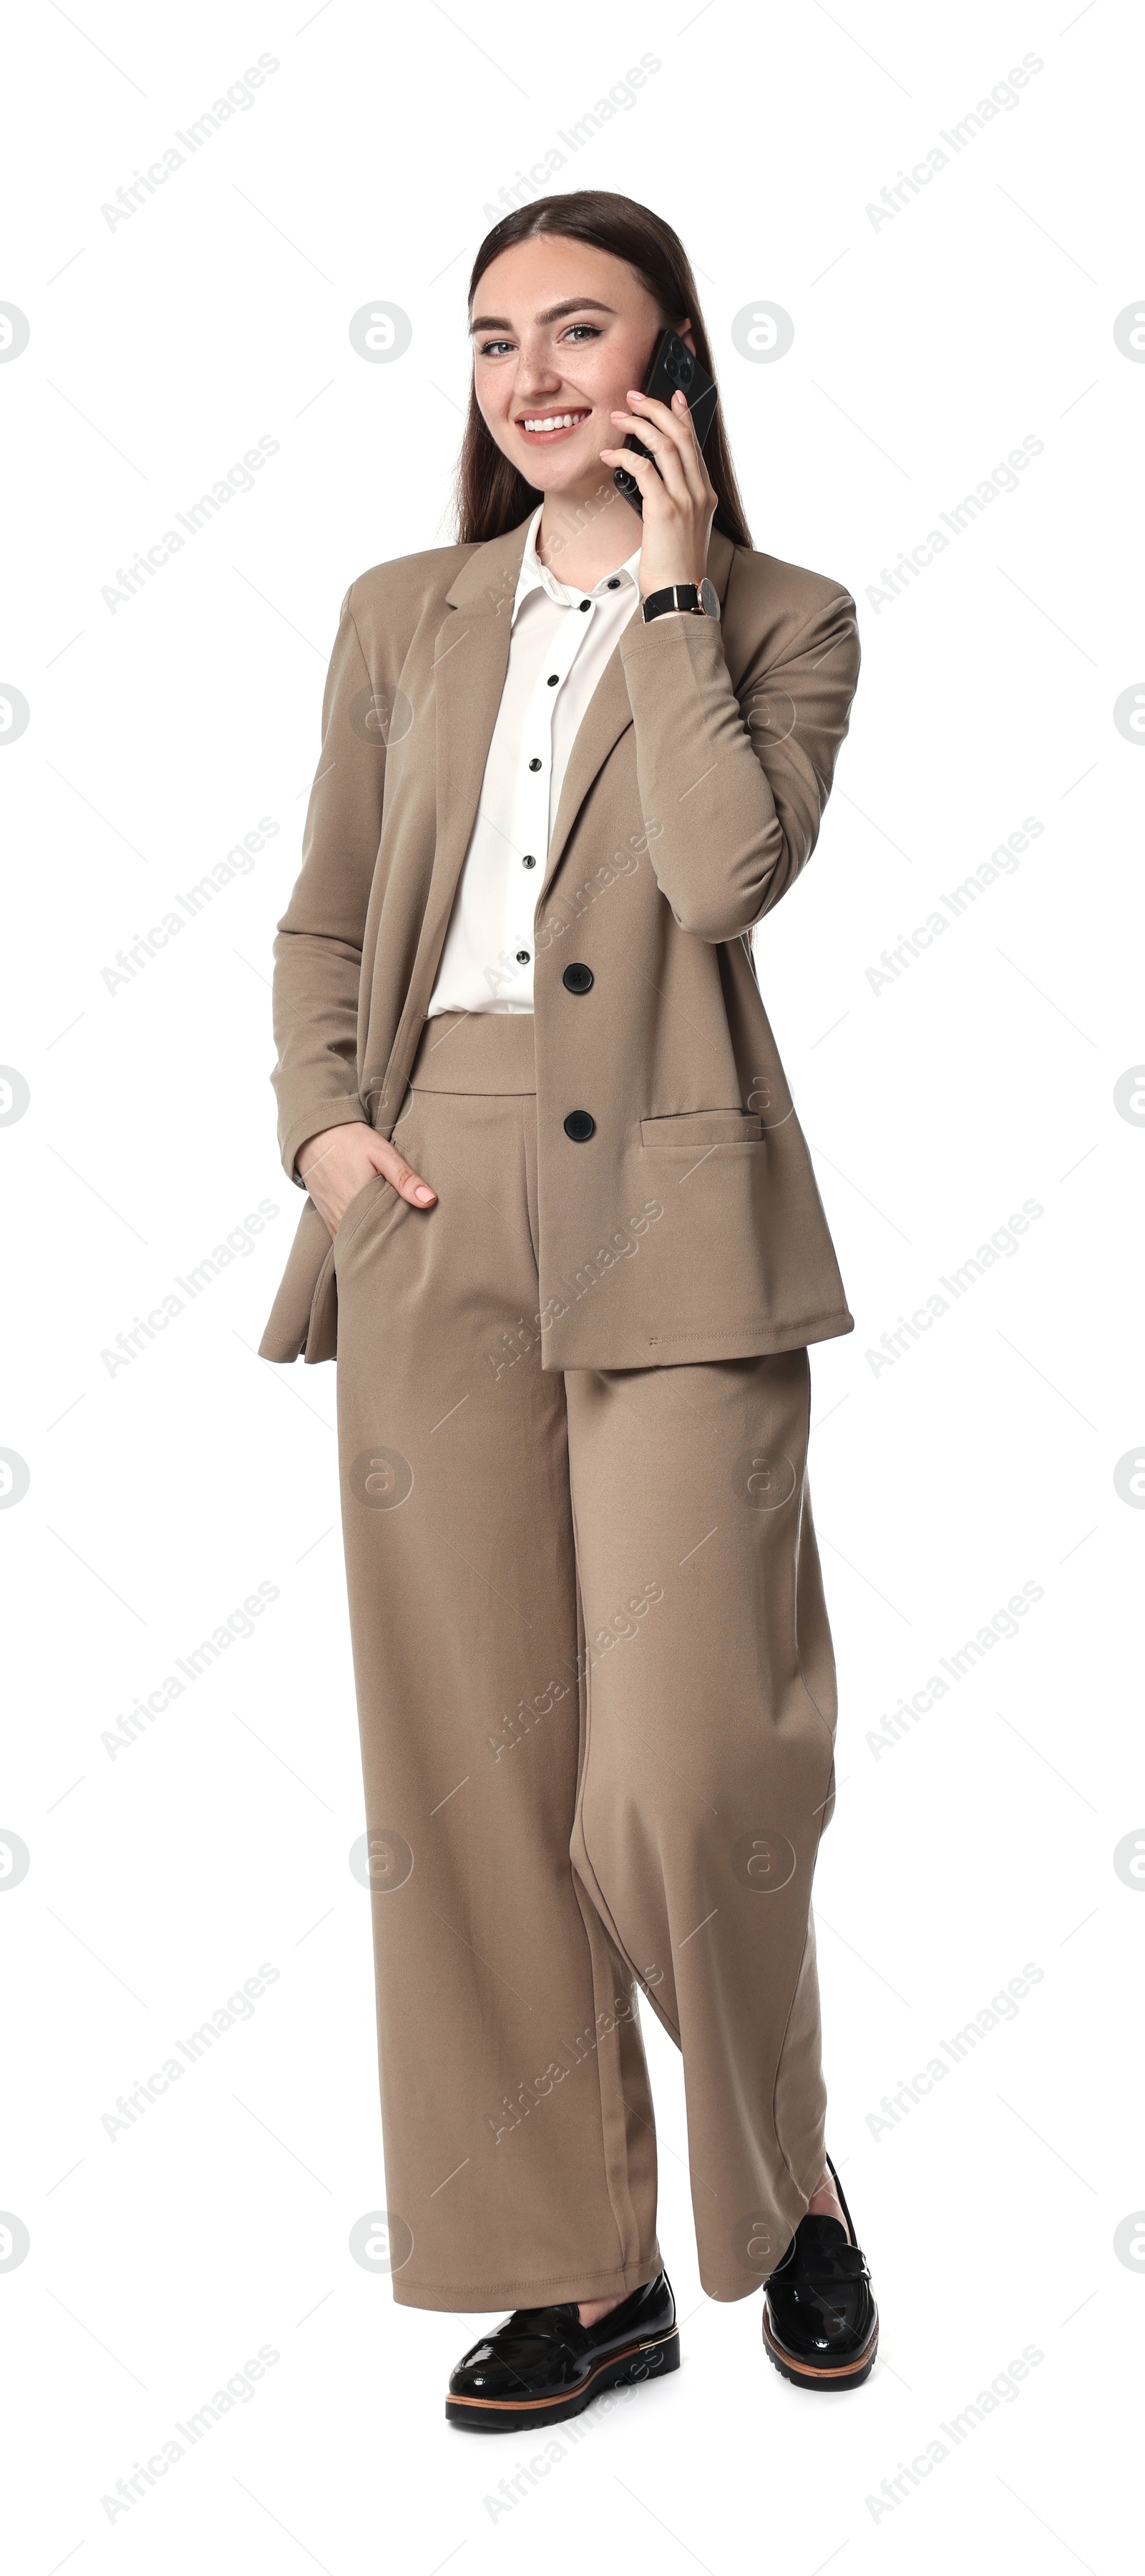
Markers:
point(471, 656)
point(606, 717)
point(470, 659)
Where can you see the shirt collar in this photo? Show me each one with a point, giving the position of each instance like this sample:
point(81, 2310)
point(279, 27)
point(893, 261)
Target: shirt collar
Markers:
point(534, 575)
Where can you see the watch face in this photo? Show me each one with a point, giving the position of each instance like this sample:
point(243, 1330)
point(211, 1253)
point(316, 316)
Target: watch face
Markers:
point(710, 597)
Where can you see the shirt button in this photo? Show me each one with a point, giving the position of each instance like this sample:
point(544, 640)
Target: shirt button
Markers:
point(522, 957)
point(534, 764)
point(614, 584)
point(528, 863)
point(579, 1125)
point(585, 603)
point(553, 678)
point(577, 979)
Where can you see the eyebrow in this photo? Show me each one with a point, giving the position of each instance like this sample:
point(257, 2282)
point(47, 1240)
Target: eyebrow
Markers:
point(555, 313)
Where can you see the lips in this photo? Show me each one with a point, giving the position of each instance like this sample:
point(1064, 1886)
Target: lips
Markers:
point(543, 427)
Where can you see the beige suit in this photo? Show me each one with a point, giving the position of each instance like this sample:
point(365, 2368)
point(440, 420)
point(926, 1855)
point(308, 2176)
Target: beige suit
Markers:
point(594, 1673)
point(692, 799)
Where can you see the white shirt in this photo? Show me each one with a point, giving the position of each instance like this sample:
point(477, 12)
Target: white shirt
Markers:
point(560, 640)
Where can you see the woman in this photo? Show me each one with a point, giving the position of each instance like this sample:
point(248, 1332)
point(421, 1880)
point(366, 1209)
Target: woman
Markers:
point(563, 1233)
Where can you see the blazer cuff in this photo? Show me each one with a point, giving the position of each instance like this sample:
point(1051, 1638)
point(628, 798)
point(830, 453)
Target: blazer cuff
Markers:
point(310, 1122)
point(669, 635)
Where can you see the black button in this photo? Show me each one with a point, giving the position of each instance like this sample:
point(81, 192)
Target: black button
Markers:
point(577, 979)
point(534, 764)
point(522, 957)
point(528, 863)
point(580, 1126)
point(614, 584)
point(585, 603)
point(552, 679)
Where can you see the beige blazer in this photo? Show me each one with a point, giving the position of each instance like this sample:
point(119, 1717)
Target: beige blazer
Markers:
point(691, 801)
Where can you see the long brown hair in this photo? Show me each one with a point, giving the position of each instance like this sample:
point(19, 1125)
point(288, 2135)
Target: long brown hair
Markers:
point(492, 496)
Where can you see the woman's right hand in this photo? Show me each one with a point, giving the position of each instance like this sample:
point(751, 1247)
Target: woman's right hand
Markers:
point(337, 1162)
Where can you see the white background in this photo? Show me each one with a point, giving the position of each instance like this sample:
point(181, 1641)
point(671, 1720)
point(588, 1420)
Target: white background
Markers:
point(164, 1492)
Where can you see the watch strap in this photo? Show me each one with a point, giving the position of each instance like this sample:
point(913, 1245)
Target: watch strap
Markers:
point(679, 595)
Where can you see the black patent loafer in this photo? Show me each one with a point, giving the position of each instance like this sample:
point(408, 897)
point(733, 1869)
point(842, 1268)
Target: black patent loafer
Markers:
point(820, 2322)
point(543, 2365)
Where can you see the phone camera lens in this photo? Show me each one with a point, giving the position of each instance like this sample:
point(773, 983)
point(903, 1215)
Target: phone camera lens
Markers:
point(681, 365)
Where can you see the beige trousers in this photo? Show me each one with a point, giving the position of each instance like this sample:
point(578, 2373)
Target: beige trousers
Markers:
point(597, 1702)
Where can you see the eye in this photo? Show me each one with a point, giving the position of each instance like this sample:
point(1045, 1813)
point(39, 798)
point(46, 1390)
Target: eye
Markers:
point(589, 330)
point(492, 348)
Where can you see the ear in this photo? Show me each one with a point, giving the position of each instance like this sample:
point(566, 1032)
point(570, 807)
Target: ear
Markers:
point(684, 333)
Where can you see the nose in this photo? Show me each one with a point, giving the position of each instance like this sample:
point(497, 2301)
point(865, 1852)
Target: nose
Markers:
point(536, 372)
point(537, 384)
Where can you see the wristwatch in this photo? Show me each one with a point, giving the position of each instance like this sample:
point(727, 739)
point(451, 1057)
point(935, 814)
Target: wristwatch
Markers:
point(701, 601)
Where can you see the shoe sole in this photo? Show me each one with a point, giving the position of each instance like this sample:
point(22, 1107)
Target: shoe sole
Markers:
point(650, 2358)
point(807, 2374)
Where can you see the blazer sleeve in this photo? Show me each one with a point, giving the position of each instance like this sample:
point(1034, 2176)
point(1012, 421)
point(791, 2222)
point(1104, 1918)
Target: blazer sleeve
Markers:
point(318, 950)
point(736, 777)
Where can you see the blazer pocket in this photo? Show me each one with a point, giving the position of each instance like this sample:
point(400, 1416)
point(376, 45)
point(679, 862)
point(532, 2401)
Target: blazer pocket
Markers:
point(697, 1130)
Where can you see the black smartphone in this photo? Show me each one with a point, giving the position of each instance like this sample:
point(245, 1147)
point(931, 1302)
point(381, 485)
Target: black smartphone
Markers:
point(673, 370)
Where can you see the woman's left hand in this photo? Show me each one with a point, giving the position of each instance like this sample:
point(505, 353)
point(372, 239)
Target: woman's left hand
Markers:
point(679, 500)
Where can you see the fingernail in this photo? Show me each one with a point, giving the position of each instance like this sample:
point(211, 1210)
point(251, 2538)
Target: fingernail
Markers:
point(424, 1195)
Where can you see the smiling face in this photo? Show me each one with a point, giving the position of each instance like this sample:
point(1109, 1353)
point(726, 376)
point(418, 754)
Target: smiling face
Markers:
point(561, 331)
